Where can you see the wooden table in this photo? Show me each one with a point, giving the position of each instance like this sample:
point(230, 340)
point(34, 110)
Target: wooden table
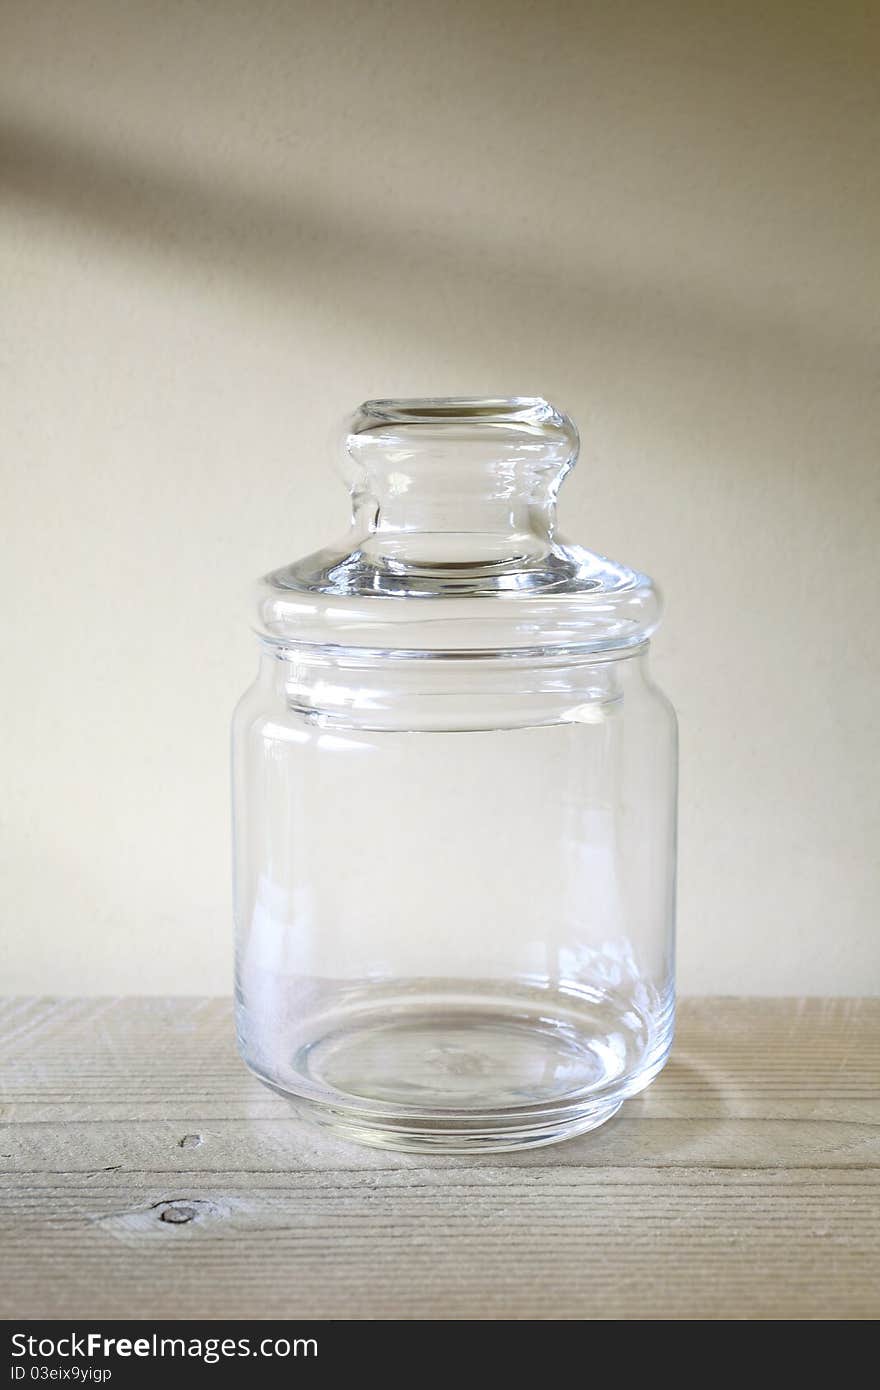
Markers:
point(146, 1174)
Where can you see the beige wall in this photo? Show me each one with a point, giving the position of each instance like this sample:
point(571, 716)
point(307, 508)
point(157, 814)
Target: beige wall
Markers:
point(226, 224)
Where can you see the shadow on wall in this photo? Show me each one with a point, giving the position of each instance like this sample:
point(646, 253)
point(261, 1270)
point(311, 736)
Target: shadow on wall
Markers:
point(641, 187)
point(281, 243)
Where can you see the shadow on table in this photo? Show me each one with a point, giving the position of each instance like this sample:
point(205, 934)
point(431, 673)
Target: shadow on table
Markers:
point(679, 1120)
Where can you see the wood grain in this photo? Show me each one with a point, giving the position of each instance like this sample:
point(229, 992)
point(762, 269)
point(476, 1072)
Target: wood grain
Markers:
point(145, 1174)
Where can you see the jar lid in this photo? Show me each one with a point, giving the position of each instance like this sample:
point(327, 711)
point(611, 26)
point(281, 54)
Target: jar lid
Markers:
point(453, 548)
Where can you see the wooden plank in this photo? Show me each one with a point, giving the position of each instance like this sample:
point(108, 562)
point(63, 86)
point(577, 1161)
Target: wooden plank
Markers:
point(145, 1174)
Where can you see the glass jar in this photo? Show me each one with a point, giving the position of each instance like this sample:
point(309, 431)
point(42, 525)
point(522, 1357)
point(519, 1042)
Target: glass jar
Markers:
point(454, 793)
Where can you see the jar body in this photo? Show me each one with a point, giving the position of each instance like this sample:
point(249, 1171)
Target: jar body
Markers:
point(454, 892)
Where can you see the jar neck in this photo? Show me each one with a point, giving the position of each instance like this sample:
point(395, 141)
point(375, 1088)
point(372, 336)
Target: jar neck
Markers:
point(450, 693)
point(494, 501)
point(457, 484)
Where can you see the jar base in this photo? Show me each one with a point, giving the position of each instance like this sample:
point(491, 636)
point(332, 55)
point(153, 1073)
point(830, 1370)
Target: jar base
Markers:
point(468, 1067)
point(442, 1137)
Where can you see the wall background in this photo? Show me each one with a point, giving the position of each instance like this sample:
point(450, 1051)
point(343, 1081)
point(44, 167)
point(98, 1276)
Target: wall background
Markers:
point(226, 224)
